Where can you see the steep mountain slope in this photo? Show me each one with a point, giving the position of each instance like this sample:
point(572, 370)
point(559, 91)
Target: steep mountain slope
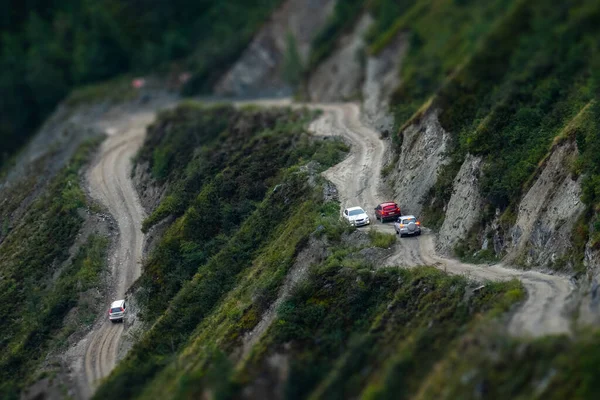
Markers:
point(53, 273)
point(492, 116)
point(52, 47)
point(478, 117)
point(276, 56)
point(201, 328)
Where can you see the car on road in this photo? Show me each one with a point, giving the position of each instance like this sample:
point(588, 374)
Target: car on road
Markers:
point(407, 225)
point(117, 311)
point(356, 216)
point(386, 211)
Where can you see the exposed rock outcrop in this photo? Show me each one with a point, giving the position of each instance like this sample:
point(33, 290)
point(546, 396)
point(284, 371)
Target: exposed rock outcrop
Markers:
point(465, 205)
point(259, 69)
point(422, 154)
point(340, 76)
point(548, 212)
point(150, 192)
point(589, 310)
point(382, 77)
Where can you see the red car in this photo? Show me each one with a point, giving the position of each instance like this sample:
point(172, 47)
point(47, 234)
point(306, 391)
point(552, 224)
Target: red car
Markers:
point(388, 210)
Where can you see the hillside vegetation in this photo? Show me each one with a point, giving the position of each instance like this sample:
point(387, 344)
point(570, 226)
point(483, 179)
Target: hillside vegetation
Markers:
point(245, 198)
point(41, 283)
point(512, 79)
point(508, 75)
point(50, 47)
point(235, 186)
point(253, 287)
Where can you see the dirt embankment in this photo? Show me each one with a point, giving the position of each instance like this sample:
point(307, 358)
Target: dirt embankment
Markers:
point(359, 183)
point(259, 71)
point(109, 182)
point(351, 72)
point(548, 212)
point(358, 179)
point(340, 76)
point(465, 205)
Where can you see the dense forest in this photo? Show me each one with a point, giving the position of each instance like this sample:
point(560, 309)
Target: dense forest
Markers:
point(50, 47)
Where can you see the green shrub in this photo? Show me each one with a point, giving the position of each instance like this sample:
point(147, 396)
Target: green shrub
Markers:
point(380, 239)
point(489, 361)
point(241, 204)
point(225, 163)
point(36, 282)
point(353, 332)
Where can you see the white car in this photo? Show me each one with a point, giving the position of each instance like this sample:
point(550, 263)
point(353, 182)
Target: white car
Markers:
point(117, 311)
point(356, 216)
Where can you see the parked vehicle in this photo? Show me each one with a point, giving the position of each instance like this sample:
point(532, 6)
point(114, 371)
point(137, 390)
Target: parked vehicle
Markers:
point(117, 311)
point(407, 225)
point(386, 211)
point(356, 216)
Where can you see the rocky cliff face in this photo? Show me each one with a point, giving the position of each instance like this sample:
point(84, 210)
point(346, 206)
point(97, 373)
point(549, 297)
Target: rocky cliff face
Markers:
point(589, 310)
point(416, 167)
point(151, 193)
point(259, 69)
point(539, 237)
point(340, 76)
point(382, 77)
point(351, 73)
point(547, 213)
point(465, 205)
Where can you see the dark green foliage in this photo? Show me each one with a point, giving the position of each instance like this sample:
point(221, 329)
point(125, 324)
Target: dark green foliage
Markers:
point(190, 146)
point(386, 13)
point(511, 112)
point(234, 187)
point(220, 163)
point(509, 77)
point(442, 35)
point(554, 367)
point(50, 47)
point(225, 329)
point(36, 292)
point(353, 332)
point(293, 69)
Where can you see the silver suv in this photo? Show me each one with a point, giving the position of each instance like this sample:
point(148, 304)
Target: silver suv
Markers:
point(407, 225)
point(117, 311)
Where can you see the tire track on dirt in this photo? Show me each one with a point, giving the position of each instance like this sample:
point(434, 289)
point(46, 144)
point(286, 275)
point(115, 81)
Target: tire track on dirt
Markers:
point(358, 179)
point(110, 184)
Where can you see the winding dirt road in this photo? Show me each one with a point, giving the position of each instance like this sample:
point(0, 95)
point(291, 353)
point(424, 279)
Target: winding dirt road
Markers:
point(359, 183)
point(110, 184)
point(358, 180)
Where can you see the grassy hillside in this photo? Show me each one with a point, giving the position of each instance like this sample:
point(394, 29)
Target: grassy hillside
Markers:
point(50, 47)
point(510, 76)
point(245, 203)
point(236, 183)
point(220, 165)
point(40, 283)
point(354, 332)
point(496, 367)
